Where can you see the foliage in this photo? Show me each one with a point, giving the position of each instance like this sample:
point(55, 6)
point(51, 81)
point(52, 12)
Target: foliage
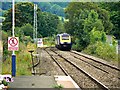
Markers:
point(53, 7)
point(6, 66)
point(78, 10)
point(6, 53)
point(77, 45)
point(99, 47)
point(26, 30)
point(49, 41)
point(24, 21)
point(24, 12)
point(93, 22)
point(96, 35)
point(31, 46)
point(23, 63)
point(83, 17)
point(60, 27)
point(102, 50)
point(5, 83)
point(19, 33)
point(114, 10)
point(47, 25)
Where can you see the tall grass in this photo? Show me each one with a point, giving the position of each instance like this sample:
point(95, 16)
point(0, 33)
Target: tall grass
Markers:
point(49, 41)
point(23, 61)
point(102, 50)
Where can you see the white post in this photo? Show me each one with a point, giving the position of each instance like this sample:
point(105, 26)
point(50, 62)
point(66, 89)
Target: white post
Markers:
point(13, 21)
point(13, 54)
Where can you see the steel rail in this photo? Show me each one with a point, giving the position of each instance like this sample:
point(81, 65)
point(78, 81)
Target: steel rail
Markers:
point(65, 72)
point(90, 64)
point(111, 66)
point(87, 74)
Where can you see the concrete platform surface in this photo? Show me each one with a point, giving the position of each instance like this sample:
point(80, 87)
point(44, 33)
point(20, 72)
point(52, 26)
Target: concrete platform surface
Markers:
point(33, 82)
point(66, 82)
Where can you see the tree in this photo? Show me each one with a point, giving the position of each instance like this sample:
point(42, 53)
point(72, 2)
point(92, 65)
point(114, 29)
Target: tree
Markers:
point(93, 21)
point(45, 6)
point(47, 25)
point(53, 8)
point(96, 36)
point(114, 10)
point(24, 13)
point(21, 32)
point(60, 27)
point(83, 17)
point(27, 30)
point(79, 9)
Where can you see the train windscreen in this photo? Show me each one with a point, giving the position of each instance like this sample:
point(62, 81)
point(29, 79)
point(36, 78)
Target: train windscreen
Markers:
point(65, 37)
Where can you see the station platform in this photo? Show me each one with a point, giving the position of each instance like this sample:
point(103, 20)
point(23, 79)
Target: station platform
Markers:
point(33, 82)
point(43, 82)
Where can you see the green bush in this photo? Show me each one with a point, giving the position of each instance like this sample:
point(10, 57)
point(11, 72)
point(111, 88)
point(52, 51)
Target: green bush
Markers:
point(5, 83)
point(49, 41)
point(102, 50)
point(77, 45)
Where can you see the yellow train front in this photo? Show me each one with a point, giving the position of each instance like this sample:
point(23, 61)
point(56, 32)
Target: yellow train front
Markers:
point(63, 41)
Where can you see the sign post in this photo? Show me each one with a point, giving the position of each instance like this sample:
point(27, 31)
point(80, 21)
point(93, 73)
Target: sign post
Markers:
point(13, 46)
point(39, 42)
point(13, 54)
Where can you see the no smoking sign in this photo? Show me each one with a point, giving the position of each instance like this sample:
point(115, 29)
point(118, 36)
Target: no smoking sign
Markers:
point(13, 43)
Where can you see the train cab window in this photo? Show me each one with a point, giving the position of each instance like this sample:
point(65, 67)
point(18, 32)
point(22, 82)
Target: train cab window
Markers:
point(65, 37)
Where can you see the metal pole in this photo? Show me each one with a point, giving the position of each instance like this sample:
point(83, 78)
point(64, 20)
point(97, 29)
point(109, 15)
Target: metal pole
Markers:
point(34, 25)
point(36, 21)
point(13, 53)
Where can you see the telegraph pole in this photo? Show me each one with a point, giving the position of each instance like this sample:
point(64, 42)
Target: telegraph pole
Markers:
point(35, 24)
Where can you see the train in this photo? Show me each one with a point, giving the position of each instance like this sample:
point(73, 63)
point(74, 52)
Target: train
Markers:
point(63, 41)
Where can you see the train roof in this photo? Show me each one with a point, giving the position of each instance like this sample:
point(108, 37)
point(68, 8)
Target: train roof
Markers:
point(62, 34)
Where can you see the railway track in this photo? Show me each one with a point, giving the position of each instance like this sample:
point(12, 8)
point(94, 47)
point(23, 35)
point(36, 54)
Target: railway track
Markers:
point(86, 72)
point(77, 72)
point(44, 65)
point(95, 60)
point(65, 72)
point(105, 67)
point(105, 74)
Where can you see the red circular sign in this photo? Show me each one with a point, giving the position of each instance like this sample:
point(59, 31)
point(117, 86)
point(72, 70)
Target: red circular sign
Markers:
point(13, 41)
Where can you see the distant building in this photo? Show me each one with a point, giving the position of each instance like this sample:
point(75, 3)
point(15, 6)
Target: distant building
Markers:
point(119, 46)
point(109, 39)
